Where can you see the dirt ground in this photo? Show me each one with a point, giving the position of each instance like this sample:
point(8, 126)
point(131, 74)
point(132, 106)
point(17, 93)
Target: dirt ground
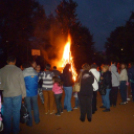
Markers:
point(119, 121)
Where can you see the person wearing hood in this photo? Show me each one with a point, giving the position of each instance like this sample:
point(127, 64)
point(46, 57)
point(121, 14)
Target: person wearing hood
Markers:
point(115, 85)
point(131, 78)
point(96, 75)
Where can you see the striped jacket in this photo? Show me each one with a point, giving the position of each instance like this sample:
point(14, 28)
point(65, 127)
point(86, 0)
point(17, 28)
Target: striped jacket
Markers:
point(31, 81)
point(47, 77)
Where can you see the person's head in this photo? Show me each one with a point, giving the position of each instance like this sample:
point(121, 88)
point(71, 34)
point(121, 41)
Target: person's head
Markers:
point(33, 64)
point(11, 60)
point(48, 66)
point(38, 68)
point(93, 66)
point(26, 65)
point(67, 68)
point(85, 66)
point(56, 79)
point(105, 68)
point(113, 62)
point(123, 65)
point(54, 67)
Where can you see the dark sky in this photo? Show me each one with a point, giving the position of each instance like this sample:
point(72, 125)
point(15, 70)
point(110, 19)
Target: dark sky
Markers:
point(100, 16)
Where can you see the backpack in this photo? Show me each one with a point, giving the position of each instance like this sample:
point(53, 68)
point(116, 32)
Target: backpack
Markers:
point(24, 115)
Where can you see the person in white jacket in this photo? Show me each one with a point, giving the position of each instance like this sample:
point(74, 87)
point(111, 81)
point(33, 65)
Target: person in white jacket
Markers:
point(96, 75)
point(123, 84)
point(115, 85)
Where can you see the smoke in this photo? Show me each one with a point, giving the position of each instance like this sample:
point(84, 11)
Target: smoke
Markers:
point(53, 54)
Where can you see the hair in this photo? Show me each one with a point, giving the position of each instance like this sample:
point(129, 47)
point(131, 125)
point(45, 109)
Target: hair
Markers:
point(54, 67)
point(26, 65)
point(56, 79)
point(85, 66)
point(66, 69)
point(94, 66)
point(11, 58)
point(32, 61)
point(106, 67)
point(48, 66)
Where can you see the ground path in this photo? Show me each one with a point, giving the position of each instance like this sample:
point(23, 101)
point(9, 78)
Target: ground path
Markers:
point(119, 121)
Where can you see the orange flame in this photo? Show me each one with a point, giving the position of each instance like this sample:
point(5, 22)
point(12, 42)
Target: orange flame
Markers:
point(67, 58)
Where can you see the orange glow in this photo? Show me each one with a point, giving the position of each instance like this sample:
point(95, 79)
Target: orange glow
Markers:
point(67, 57)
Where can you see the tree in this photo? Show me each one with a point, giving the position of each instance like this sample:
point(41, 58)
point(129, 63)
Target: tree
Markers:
point(120, 44)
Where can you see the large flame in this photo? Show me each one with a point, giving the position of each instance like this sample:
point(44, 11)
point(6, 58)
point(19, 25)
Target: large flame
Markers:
point(67, 57)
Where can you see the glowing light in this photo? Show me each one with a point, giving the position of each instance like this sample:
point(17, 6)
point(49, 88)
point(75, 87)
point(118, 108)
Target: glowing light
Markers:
point(67, 58)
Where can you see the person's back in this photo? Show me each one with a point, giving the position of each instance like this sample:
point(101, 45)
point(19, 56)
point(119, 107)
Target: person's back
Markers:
point(31, 81)
point(13, 86)
point(11, 81)
point(86, 83)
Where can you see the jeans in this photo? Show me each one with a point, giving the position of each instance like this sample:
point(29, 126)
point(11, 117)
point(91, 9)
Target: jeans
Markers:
point(12, 106)
point(106, 99)
point(85, 107)
point(132, 87)
point(58, 98)
point(48, 100)
point(76, 102)
point(31, 102)
point(67, 100)
point(113, 96)
point(123, 91)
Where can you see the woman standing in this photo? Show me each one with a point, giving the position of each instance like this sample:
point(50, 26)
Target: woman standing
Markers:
point(107, 81)
point(86, 94)
point(123, 84)
point(67, 84)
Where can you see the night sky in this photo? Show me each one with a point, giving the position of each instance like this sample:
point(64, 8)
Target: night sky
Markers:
point(100, 16)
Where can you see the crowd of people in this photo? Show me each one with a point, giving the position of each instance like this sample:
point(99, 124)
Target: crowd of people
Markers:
point(23, 86)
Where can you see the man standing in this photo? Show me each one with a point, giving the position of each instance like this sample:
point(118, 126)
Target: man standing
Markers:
point(13, 86)
point(96, 75)
point(131, 78)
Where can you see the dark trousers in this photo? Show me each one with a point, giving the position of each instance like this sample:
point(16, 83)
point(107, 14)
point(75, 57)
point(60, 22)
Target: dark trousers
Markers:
point(123, 91)
point(58, 98)
point(85, 107)
point(132, 87)
point(113, 96)
point(94, 101)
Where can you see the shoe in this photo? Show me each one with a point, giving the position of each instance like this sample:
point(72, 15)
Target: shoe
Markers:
point(106, 110)
point(123, 103)
point(82, 120)
point(128, 99)
point(57, 114)
point(75, 108)
point(89, 119)
point(52, 113)
point(102, 107)
point(70, 111)
point(93, 112)
point(62, 112)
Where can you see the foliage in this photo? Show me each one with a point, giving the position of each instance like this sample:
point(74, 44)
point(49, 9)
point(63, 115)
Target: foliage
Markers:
point(120, 44)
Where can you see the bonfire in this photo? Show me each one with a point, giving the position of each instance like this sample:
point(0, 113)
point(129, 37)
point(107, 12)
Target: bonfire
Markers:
point(67, 57)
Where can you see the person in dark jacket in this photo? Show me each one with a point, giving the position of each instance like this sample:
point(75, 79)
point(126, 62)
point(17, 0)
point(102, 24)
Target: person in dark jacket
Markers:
point(85, 95)
point(107, 81)
point(67, 84)
point(131, 78)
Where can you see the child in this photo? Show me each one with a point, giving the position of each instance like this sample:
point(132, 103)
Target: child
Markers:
point(57, 89)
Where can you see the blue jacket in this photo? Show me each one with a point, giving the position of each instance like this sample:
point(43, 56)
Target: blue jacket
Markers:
point(31, 81)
